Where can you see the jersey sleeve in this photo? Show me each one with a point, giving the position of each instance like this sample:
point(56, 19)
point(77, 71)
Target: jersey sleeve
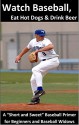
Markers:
point(47, 42)
point(29, 46)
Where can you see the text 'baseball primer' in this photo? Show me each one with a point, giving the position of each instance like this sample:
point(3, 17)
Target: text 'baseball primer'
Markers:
point(36, 7)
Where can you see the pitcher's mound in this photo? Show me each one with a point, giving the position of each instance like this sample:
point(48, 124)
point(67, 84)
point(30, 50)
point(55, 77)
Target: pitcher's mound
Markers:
point(38, 107)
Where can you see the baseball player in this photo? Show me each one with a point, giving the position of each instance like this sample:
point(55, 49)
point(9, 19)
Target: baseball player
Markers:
point(44, 48)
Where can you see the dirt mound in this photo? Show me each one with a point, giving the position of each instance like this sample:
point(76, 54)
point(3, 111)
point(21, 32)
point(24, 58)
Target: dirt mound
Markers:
point(38, 107)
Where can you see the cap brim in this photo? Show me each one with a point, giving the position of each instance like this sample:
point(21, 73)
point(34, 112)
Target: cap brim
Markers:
point(41, 34)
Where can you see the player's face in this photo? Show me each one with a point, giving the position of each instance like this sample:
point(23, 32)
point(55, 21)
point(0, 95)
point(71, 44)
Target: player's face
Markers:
point(39, 38)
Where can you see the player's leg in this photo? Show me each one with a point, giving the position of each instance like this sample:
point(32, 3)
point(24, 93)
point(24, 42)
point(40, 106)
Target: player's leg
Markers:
point(33, 84)
point(47, 65)
point(34, 88)
point(38, 78)
point(40, 70)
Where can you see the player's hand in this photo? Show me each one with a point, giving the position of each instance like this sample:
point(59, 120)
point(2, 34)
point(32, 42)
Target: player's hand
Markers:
point(18, 58)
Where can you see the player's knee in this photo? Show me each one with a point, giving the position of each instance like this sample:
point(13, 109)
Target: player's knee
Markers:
point(34, 70)
point(31, 80)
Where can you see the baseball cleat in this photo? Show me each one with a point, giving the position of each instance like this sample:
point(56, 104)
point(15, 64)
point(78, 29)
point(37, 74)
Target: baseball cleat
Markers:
point(34, 101)
point(39, 93)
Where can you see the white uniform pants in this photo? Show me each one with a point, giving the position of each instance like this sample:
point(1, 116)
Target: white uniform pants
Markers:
point(41, 70)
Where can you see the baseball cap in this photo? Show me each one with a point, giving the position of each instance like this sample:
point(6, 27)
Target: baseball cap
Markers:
point(40, 32)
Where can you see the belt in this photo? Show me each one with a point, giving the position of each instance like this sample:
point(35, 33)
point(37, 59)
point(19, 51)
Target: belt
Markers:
point(46, 59)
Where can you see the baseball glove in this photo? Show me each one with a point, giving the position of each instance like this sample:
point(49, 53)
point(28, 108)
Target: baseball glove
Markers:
point(33, 57)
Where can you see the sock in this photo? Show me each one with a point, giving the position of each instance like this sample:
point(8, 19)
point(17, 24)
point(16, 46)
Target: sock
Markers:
point(40, 88)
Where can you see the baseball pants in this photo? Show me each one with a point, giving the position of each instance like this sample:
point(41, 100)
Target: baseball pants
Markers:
point(39, 71)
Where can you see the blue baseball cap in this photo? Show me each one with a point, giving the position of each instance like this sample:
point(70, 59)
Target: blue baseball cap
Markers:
point(40, 32)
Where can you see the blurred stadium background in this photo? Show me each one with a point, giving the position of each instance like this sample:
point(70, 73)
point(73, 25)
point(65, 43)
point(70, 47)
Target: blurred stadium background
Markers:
point(15, 36)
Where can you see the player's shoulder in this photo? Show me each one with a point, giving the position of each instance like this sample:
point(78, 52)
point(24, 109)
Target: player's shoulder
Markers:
point(46, 40)
point(33, 40)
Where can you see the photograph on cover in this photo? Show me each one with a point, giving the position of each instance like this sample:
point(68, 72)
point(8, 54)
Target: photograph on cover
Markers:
point(39, 66)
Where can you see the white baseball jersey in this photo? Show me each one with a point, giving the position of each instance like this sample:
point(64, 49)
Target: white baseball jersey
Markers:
point(33, 44)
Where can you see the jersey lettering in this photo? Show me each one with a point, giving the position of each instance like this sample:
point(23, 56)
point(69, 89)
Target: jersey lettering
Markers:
point(44, 53)
point(36, 48)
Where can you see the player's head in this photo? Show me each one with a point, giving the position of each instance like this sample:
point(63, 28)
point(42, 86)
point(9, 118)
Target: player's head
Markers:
point(40, 32)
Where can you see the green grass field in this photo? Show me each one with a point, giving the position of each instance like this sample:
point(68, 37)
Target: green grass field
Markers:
point(15, 88)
